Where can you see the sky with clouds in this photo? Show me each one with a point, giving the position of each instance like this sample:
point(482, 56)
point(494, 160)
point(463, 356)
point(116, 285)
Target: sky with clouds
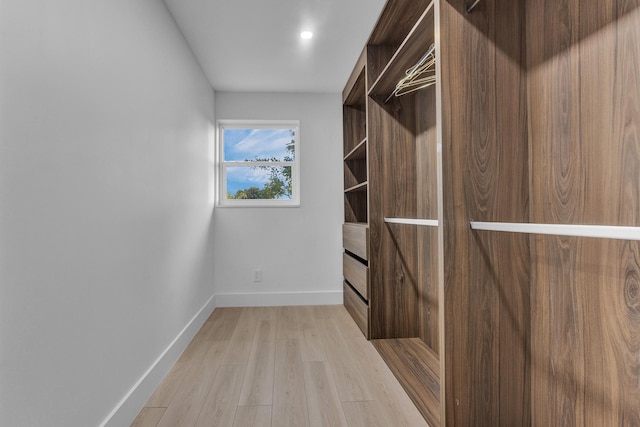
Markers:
point(247, 144)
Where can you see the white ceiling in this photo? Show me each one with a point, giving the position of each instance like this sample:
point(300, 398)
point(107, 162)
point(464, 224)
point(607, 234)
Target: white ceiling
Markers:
point(255, 45)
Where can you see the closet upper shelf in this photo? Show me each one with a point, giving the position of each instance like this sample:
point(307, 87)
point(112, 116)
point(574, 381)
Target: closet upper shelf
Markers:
point(410, 51)
point(354, 93)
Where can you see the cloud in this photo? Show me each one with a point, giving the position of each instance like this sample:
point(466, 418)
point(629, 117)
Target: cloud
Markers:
point(264, 143)
point(249, 175)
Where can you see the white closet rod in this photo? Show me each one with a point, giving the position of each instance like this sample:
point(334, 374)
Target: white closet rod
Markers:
point(471, 5)
point(426, 222)
point(597, 231)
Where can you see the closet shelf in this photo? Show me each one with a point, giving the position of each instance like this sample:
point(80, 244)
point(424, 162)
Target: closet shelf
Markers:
point(409, 52)
point(574, 230)
point(409, 221)
point(356, 188)
point(359, 152)
point(356, 94)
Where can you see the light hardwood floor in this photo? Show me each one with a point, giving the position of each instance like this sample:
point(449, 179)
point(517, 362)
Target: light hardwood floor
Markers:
point(280, 367)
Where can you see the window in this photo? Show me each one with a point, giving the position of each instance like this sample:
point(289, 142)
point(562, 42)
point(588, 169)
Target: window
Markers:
point(259, 163)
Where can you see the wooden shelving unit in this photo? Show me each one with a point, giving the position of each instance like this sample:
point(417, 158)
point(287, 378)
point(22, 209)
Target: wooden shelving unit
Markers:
point(412, 48)
point(359, 152)
point(356, 198)
point(481, 327)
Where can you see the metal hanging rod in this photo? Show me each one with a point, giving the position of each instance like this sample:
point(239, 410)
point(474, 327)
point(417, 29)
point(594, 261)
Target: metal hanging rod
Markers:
point(597, 231)
point(471, 5)
point(425, 222)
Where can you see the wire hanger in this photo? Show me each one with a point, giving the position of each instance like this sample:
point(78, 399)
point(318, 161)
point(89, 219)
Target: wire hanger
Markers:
point(471, 5)
point(420, 76)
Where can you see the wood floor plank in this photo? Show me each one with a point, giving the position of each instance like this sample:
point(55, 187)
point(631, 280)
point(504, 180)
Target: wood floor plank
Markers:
point(348, 327)
point(253, 416)
point(187, 403)
point(242, 338)
point(346, 371)
point(363, 414)
point(311, 346)
point(219, 408)
point(289, 396)
point(325, 409)
point(223, 325)
point(418, 370)
point(257, 388)
point(190, 358)
point(287, 324)
point(394, 403)
point(148, 417)
point(299, 391)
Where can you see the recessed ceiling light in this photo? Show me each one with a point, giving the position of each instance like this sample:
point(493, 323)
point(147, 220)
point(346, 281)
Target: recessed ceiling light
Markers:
point(306, 35)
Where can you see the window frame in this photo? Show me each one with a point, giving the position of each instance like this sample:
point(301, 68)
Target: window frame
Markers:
point(223, 201)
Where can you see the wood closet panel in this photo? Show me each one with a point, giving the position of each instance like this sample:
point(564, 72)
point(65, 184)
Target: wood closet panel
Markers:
point(485, 178)
point(584, 106)
point(427, 207)
point(395, 289)
point(403, 183)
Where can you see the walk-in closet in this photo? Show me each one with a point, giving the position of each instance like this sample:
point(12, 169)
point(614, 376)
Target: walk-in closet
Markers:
point(492, 208)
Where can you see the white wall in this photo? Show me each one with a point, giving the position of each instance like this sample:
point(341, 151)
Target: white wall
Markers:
point(105, 253)
point(298, 249)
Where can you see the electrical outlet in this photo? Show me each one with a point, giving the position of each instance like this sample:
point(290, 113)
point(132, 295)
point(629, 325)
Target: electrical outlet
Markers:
point(257, 275)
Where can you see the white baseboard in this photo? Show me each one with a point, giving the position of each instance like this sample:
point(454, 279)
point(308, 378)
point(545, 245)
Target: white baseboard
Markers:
point(278, 299)
point(128, 408)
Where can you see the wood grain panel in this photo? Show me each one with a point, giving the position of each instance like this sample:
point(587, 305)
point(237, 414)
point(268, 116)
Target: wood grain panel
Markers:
point(355, 172)
point(584, 107)
point(356, 207)
point(357, 274)
point(355, 239)
point(392, 184)
point(357, 308)
point(413, 47)
point(427, 207)
point(354, 125)
point(354, 89)
point(485, 175)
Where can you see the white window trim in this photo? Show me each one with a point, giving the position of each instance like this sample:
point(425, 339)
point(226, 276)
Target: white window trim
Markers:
point(222, 200)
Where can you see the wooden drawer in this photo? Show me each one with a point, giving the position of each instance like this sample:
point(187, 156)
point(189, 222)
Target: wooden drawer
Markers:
point(357, 308)
point(357, 274)
point(355, 239)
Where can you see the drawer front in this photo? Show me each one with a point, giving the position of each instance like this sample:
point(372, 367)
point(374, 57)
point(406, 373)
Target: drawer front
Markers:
point(357, 274)
point(357, 308)
point(355, 239)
